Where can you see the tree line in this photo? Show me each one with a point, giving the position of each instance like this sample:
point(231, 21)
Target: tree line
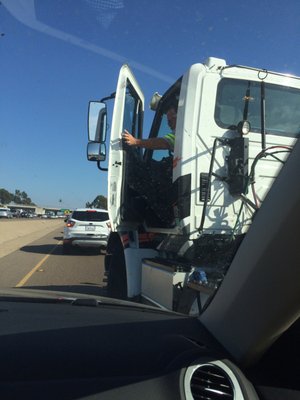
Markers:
point(19, 197)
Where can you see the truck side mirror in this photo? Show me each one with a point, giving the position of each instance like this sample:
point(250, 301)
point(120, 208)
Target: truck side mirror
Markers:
point(96, 151)
point(97, 121)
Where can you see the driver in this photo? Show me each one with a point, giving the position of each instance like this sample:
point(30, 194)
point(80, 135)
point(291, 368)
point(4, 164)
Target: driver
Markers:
point(157, 143)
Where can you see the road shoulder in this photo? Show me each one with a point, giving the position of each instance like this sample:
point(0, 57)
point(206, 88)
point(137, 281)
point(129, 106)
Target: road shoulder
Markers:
point(18, 233)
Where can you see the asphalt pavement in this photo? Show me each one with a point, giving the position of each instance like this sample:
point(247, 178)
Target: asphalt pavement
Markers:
point(15, 233)
point(41, 264)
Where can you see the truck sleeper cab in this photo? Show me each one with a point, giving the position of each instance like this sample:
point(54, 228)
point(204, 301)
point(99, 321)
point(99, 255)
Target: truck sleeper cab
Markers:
point(235, 128)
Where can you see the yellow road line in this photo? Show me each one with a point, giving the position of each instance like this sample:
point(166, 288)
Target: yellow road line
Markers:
point(34, 269)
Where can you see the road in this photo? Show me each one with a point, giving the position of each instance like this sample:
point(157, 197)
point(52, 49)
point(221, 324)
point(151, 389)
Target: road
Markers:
point(42, 265)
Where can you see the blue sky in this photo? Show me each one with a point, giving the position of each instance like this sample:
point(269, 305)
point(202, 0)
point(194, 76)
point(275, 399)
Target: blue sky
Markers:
point(55, 56)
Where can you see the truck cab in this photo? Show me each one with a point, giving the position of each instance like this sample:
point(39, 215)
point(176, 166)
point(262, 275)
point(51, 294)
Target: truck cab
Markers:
point(235, 128)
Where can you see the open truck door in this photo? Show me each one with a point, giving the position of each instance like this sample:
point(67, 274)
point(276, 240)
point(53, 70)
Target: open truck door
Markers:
point(127, 114)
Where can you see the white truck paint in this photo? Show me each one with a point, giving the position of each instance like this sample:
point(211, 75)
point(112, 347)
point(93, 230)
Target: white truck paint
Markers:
point(219, 179)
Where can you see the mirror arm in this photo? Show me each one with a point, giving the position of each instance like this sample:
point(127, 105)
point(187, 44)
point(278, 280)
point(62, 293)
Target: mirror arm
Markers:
point(112, 96)
point(99, 166)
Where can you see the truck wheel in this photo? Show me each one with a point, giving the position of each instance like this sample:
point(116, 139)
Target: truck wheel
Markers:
point(117, 284)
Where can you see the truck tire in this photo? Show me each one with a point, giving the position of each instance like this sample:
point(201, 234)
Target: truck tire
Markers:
point(117, 282)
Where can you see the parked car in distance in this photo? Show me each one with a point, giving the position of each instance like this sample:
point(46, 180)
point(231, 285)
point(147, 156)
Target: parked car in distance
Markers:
point(86, 227)
point(5, 212)
point(16, 213)
point(50, 214)
point(26, 214)
point(61, 215)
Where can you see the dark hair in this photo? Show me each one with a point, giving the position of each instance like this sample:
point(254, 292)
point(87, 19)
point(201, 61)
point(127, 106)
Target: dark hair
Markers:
point(171, 105)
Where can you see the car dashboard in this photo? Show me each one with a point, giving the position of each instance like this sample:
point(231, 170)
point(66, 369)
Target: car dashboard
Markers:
point(91, 350)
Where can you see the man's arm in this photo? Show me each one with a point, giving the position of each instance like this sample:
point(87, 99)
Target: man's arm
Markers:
point(151, 143)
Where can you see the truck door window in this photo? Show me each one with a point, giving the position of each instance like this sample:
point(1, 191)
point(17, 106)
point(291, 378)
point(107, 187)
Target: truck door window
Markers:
point(240, 99)
point(132, 112)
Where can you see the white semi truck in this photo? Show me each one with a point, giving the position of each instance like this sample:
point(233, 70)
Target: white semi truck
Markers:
point(178, 217)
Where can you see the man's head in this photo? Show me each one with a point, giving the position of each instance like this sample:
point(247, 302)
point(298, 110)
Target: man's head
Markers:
point(172, 117)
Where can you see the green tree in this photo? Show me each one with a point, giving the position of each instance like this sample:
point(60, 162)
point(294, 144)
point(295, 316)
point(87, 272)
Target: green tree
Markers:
point(5, 196)
point(25, 199)
point(99, 202)
point(22, 198)
point(17, 197)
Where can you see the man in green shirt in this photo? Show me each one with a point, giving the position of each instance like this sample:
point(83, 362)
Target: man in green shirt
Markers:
point(156, 143)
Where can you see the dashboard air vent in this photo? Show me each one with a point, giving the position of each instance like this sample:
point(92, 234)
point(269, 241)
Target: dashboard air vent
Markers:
point(211, 382)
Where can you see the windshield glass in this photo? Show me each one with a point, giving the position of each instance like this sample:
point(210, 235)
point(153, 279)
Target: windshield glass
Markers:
point(178, 206)
point(238, 100)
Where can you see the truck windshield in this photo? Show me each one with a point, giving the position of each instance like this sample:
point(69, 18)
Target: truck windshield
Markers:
point(240, 99)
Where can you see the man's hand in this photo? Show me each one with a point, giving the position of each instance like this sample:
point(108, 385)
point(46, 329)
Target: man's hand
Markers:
point(157, 143)
point(129, 139)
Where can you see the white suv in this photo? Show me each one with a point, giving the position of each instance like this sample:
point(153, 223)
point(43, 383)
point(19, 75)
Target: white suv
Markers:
point(5, 212)
point(86, 227)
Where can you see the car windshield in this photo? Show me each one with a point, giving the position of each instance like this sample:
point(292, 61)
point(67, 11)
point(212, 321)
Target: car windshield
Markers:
point(213, 84)
point(149, 199)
